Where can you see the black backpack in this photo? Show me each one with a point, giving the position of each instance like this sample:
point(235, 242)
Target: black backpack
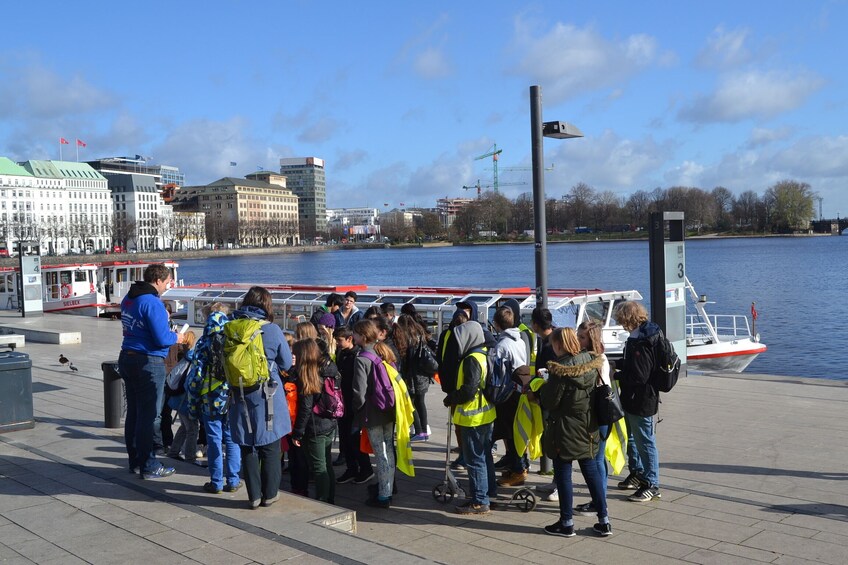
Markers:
point(666, 365)
point(498, 385)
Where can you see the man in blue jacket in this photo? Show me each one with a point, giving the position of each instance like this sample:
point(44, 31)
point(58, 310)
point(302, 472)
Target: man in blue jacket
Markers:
point(147, 338)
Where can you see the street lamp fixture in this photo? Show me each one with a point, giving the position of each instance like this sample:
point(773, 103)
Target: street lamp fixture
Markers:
point(539, 130)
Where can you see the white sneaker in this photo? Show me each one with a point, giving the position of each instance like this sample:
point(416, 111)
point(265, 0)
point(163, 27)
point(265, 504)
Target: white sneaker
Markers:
point(429, 432)
point(551, 497)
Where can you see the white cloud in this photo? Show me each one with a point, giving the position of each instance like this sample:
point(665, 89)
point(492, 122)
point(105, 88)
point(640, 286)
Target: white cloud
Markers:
point(570, 60)
point(725, 49)
point(347, 159)
point(764, 136)
point(432, 63)
point(752, 94)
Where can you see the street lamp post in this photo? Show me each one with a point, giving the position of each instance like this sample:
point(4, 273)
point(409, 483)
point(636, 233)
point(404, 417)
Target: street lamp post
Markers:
point(539, 130)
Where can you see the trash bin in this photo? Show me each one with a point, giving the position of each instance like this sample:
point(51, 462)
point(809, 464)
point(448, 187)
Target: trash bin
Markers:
point(114, 399)
point(15, 392)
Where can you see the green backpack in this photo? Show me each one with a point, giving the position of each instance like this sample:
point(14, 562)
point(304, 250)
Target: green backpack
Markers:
point(245, 364)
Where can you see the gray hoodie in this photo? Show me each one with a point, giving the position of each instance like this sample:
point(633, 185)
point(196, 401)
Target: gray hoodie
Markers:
point(468, 336)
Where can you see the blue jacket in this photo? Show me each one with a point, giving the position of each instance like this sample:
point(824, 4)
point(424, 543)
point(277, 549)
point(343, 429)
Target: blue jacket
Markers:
point(253, 406)
point(145, 320)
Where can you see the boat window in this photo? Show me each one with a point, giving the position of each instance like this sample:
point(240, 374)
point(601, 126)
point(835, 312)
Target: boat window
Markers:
point(80, 276)
point(430, 300)
point(366, 298)
point(121, 275)
point(281, 295)
point(233, 294)
point(209, 293)
point(598, 311)
point(304, 296)
point(395, 299)
point(479, 298)
point(64, 277)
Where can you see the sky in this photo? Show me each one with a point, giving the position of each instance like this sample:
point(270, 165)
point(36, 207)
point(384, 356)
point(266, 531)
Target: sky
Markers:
point(399, 98)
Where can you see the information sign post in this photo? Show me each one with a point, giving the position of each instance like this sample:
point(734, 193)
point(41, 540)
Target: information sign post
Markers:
point(29, 255)
point(668, 279)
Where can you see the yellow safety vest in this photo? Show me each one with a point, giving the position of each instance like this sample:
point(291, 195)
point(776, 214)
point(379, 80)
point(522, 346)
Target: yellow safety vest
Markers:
point(478, 410)
point(522, 327)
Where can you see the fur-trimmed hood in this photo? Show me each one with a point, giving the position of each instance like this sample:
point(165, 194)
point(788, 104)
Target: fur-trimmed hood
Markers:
point(571, 371)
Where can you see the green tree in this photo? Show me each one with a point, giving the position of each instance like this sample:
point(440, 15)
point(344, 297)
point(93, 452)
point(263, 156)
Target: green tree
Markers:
point(793, 205)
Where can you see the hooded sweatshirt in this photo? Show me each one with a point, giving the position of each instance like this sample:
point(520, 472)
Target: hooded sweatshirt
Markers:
point(511, 349)
point(145, 321)
point(467, 336)
point(638, 396)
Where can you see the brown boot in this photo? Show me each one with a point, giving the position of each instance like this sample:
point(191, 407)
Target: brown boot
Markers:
point(513, 479)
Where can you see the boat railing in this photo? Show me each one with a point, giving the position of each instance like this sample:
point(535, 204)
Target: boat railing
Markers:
point(725, 326)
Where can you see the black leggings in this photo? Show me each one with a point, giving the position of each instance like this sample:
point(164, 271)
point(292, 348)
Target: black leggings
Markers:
point(419, 417)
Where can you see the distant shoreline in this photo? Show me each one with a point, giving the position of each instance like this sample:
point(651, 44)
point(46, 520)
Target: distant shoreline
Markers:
point(241, 252)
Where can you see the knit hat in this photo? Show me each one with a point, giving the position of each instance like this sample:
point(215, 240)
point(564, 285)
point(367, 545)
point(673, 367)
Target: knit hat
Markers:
point(328, 320)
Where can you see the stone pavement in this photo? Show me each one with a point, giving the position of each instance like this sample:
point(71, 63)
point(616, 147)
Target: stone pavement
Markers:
point(753, 469)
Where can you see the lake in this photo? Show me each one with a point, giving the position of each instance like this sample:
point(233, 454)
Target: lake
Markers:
point(798, 283)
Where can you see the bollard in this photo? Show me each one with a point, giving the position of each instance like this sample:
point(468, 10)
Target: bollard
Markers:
point(113, 394)
point(545, 466)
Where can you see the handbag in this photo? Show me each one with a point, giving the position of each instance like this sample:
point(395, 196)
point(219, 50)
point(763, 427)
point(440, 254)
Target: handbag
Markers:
point(424, 359)
point(607, 405)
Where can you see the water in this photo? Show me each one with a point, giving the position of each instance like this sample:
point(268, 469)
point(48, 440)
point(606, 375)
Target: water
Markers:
point(797, 283)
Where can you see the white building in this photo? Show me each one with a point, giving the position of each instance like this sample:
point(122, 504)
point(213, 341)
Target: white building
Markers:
point(63, 205)
point(353, 223)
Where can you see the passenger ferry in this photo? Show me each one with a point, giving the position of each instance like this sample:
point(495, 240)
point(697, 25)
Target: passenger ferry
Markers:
point(713, 342)
point(86, 289)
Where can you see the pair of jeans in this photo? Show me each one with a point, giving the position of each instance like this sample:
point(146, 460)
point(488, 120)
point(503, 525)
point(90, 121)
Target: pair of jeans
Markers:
point(185, 439)
point(382, 442)
point(476, 444)
point(562, 478)
point(262, 470)
point(144, 378)
point(642, 455)
point(601, 459)
point(218, 442)
point(320, 463)
point(358, 463)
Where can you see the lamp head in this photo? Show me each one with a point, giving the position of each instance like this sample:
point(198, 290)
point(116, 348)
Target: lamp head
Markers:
point(560, 130)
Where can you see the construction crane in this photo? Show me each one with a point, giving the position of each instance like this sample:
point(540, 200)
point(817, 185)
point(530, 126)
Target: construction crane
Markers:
point(479, 187)
point(820, 199)
point(493, 152)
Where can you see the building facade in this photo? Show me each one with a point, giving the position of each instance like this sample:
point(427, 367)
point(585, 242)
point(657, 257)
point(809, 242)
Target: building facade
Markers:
point(305, 177)
point(448, 208)
point(258, 210)
point(353, 224)
point(63, 206)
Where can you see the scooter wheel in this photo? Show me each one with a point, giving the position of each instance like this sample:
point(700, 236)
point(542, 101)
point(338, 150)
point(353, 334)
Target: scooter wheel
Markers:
point(442, 493)
point(525, 500)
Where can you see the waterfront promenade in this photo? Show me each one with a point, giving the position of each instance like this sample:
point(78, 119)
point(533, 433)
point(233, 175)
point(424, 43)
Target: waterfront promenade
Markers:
point(753, 469)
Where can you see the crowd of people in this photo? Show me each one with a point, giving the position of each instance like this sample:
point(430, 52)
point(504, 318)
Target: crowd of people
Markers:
point(380, 366)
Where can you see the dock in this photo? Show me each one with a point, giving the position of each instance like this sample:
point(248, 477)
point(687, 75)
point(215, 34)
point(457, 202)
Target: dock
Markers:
point(753, 468)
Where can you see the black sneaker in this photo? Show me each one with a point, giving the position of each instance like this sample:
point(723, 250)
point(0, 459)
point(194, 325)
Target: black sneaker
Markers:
point(211, 488)
point(346, 477)
point(603, 530)
point(587, 509)
point(632, 482)
point(232, 488)
point(557, 529)
point(645, 494)
point(458, 464)
point(363, 477)
point(470, 507)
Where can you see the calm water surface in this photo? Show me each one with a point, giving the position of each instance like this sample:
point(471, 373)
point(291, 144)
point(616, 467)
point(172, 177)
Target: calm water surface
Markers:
point(797, 283)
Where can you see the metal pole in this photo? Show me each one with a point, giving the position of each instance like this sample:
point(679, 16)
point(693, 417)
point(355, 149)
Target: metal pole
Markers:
point(541, 233)
point(538, 172)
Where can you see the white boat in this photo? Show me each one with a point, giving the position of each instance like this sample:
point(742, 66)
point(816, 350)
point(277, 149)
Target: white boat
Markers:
point(86, 289)
point(721, 342)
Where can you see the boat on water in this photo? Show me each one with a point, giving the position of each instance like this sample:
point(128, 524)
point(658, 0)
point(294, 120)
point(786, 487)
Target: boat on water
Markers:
point(710, 346)
point(86, 289)
point(722, 342)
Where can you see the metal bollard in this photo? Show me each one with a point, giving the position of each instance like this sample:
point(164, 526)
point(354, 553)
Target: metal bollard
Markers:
point(113, 394)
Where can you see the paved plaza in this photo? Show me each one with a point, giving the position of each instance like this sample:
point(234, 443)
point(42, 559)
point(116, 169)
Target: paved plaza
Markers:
point(753, 469)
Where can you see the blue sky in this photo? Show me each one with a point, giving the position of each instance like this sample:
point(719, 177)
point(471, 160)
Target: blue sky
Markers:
point(399, 97)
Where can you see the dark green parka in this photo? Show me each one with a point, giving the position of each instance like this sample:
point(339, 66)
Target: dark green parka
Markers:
point(571, 431)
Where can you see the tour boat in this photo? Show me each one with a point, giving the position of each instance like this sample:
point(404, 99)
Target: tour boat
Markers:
point(87, 289)
point(721, 342)
point(713, 342)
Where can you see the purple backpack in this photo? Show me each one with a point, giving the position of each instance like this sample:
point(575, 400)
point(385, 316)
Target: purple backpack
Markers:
point(382, 392)
point(330, 404)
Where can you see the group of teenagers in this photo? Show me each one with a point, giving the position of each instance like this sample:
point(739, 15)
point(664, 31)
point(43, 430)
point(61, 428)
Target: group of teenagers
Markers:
point(250, 431)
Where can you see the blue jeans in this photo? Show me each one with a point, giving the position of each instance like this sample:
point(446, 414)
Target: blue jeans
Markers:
point(218, 440)
point(477, 453)
point(382, 442)
point(144, 378)
point(642, 455)
point(562, 478)
point(601, 460)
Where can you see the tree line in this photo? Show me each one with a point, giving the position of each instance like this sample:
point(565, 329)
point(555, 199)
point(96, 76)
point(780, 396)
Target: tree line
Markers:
point(785, 207)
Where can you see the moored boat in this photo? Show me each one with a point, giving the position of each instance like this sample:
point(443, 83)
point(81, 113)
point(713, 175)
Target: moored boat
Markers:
point(722, 342)
point(86, 289)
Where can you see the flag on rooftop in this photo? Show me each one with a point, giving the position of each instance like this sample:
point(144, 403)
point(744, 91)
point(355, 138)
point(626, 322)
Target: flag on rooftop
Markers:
point(232, 163)
point(80, 143)
point(63, 141)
